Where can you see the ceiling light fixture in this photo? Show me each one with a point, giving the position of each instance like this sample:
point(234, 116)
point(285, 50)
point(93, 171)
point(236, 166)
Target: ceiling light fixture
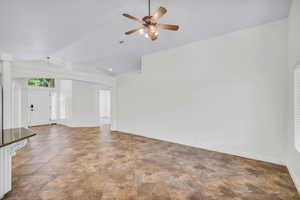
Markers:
point(150, 26)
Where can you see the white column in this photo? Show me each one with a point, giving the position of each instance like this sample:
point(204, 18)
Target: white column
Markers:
point(114, 108)
point(5, 60)
point(5, 152)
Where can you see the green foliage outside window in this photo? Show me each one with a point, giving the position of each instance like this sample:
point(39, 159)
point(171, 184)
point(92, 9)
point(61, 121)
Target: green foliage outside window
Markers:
point(41, 82)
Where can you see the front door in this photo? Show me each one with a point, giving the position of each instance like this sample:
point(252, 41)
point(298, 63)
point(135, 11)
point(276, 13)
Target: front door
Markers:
point(39, 107)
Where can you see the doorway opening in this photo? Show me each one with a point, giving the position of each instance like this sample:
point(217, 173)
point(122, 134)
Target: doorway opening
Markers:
point(105, 107)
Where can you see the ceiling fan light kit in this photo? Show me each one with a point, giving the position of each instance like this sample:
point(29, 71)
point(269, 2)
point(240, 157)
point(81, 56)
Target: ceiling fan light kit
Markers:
point(150, 24)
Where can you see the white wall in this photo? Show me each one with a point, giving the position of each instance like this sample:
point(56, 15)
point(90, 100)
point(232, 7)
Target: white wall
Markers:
point(80, 100)
point(85, 104)
point(65, 102)
point(227, 94)
point(293, 157)
point(29, 69)
point(20, 103)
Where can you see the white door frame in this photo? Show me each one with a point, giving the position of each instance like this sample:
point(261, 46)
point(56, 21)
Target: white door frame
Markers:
point(37, 89)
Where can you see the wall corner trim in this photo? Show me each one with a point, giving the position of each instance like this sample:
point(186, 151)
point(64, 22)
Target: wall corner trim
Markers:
point(294, 177)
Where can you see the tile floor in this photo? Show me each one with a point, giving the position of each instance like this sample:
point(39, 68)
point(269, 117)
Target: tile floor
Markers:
point(62, 163)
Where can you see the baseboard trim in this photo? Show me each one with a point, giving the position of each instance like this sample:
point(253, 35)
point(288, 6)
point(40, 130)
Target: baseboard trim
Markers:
point(240, 154)
point(76, 125)
point(294, 177)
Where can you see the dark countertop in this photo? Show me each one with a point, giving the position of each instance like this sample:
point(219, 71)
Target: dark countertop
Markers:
point(14, 135)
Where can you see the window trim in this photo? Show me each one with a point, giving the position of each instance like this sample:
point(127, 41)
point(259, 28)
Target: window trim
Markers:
point(296, 107)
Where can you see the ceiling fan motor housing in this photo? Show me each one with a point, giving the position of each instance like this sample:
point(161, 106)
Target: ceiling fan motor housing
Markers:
point(147, 19)
point(150, 25)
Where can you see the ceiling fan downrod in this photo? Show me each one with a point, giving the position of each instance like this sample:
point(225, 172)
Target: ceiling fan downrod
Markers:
point(149, 7)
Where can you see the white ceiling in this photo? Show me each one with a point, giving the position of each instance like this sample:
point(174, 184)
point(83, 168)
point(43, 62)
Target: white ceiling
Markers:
point(87, 32)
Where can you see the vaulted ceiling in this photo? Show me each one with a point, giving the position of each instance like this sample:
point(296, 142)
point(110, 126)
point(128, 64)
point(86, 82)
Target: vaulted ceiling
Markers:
point(88, 32)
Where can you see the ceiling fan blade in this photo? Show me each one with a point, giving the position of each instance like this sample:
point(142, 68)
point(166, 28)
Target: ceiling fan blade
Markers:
point(158, 14)
point(133, 31)
point(168, 27)
point(133, 18)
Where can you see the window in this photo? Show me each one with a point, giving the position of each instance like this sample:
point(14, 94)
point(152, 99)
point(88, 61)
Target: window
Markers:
point(297, 107)
point(41, 82)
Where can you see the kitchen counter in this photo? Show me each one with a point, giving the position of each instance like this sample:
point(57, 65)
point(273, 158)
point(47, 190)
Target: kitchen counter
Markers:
point(14, 135)
point(10, 142)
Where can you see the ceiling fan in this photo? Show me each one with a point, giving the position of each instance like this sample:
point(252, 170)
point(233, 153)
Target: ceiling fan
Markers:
point(150, 23)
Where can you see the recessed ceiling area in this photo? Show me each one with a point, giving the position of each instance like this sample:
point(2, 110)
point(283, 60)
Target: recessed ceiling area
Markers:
point(88, 32)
